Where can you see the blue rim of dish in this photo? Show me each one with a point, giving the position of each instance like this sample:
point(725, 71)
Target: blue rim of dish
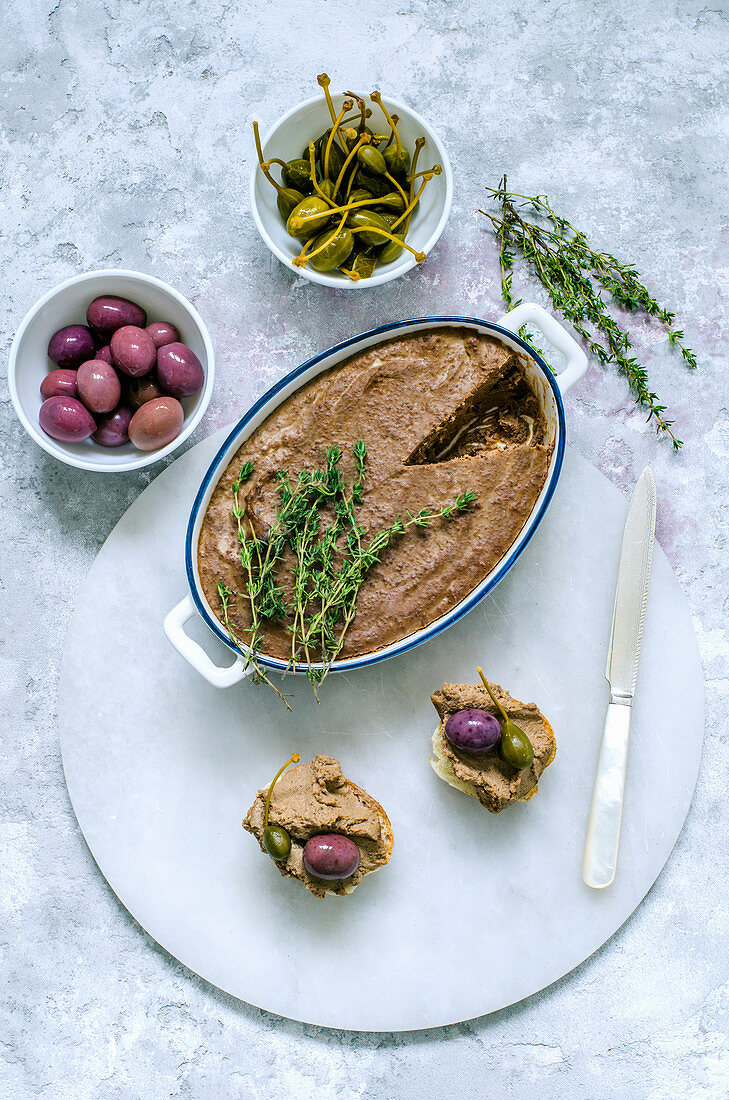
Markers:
point(469, 602)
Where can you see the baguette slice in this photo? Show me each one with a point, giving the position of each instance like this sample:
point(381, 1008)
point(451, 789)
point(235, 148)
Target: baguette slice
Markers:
point(485, 776)
point(317, 798)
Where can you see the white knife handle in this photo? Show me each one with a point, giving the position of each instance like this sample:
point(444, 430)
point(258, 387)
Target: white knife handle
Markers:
point(603, 832)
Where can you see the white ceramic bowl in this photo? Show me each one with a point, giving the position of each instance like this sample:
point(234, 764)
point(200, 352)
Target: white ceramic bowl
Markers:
point(66, 305)
point(287, 139)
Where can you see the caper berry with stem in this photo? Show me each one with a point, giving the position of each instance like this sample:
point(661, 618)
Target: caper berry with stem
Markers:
point(376, 185)
point(392, 201)
point(372, 160)
point(515, 748)
point(331, 250)
point(396, 156)
point(390, 252)
point(327, 164)
point(323, 81)
point(302, 222)
point(288, 197)
point(276, 839)
point(336, 156)
point(362, 127)
point(296, 174)
point(397, 160)
point(277, 842)
point(327, 188)
point(368, 221)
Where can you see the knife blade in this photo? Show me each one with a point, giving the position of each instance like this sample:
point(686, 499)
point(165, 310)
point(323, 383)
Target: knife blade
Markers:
point(631, 594)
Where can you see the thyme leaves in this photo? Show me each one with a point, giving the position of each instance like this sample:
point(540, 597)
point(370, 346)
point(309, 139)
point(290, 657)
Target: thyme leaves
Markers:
point(577, 278)
point(308, 571)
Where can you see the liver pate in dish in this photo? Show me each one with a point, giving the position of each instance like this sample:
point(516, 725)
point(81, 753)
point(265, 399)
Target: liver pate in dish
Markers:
point(440, 412)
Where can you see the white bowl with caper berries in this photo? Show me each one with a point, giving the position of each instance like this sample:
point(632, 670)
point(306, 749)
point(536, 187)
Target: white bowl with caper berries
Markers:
point(424, 220)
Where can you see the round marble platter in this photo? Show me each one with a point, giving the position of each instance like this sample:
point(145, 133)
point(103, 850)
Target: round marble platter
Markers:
point(474, 911)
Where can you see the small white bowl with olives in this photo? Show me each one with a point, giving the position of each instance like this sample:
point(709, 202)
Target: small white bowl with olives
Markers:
point(111, 371)
point(288, 140)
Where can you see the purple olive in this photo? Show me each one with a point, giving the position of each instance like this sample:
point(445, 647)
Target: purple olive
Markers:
point(113, 430)
point(132, 351)
point(179, 370)
point(141, 390)
point(161, 333)
point(71, 346)
point(65, 418)
point(104, 353)
point(331, 856)
point(106, 314)
point(473, 730)
point(156, 423)
point(59, 383)
point(98, 386)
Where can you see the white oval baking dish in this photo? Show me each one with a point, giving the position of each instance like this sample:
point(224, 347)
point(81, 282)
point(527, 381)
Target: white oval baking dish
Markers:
point(549, 388)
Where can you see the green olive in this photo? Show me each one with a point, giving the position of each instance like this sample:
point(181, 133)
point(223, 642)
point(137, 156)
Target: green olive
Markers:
point(392, 201)
point(515, 747)
point(392, 251)
point(288, 198)
point(357, 219)
point(277, 841)
point(297, 174)
point(297, 227)
point(337, 247)
point(371, 160)
point(397, 160)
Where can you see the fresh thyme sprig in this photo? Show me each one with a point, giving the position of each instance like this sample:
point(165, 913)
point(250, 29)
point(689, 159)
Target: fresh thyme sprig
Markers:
point(339, 601)
point(259, 675)
point(318, 601)
point(574, 275)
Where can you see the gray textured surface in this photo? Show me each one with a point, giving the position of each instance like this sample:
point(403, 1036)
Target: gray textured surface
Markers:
point(125, 141)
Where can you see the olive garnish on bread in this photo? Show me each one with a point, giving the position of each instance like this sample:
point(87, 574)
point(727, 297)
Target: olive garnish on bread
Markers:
point(514, 746)
point(277, 840)
point(489, 745)
point(320, 827)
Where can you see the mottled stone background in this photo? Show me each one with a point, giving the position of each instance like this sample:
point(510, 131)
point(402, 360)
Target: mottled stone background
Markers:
point(125, 140)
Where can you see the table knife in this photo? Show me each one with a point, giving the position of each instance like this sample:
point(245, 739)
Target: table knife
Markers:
point(603, 832)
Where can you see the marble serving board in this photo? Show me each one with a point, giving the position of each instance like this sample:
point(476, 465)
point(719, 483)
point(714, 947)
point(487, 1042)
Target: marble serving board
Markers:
point(474, 911)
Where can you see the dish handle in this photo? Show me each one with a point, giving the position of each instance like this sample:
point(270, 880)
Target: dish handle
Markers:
point(195, 655)
point(529, 313)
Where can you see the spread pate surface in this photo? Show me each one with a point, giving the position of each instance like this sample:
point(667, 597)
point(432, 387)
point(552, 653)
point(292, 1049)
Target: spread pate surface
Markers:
point(440, 412)
point(315, 798)
point(495, 782)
